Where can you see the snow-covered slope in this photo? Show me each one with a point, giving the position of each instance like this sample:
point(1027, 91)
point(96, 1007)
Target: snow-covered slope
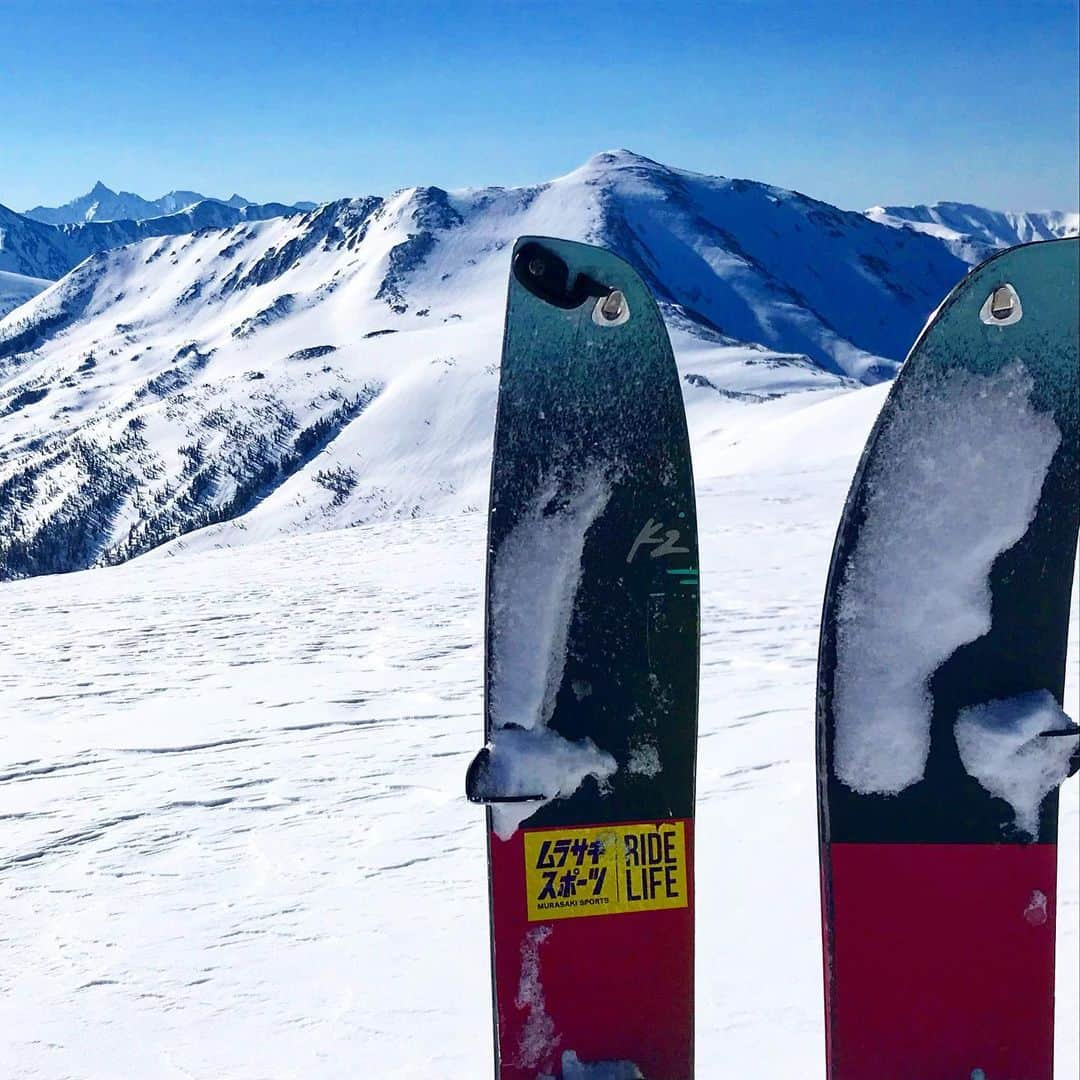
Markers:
point(340, 366)
point(48, 251)
point(235, 842)
point(103, 204)
point(973, 233)
point(16, 289)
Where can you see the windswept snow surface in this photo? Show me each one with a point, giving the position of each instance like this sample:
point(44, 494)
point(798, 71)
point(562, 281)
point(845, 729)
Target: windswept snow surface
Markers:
point(235, 842)
point(916, 586)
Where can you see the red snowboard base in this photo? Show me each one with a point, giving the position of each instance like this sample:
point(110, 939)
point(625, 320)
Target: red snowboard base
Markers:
point(941, 961)
point(593, 930)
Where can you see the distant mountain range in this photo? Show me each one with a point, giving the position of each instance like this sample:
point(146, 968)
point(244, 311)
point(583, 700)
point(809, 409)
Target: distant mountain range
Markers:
point(243, 374)
point(50, 251)
point(46, 242)
point(103, 204)
point(973, 232)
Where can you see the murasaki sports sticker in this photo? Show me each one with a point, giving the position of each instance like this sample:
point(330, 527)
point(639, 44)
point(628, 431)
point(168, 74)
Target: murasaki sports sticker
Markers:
point(607, 870)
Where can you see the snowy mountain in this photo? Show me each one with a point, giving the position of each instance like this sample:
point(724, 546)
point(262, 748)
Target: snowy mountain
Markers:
point(340, 366)
point(16, 289)
point(104, 204)
point(973, 233)
point(50, 251)
point(235, 837)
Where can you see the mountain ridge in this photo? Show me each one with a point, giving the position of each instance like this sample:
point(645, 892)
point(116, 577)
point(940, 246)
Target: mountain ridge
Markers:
point(969, 232)
point(101, 203)
point(973, 233)
point(340, 366)
point(37, 249)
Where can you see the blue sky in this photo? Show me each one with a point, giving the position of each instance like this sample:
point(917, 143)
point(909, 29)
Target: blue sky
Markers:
point(855, 103)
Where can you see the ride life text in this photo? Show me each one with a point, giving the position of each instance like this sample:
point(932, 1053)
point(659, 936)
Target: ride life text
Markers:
point(651, 861)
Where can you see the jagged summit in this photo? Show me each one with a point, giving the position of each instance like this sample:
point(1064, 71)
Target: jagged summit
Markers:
point(102, 204)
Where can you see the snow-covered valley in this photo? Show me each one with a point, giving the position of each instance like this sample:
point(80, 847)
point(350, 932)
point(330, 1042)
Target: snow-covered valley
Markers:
point(235, 838)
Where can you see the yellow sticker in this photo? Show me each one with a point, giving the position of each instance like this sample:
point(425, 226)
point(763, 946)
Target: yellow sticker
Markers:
point(607, 870)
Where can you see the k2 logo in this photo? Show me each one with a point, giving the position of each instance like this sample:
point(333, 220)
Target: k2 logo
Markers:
point(662, 541)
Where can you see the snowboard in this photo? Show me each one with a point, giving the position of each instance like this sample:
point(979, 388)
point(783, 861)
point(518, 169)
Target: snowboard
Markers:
point(591, 680)
point(941, 740)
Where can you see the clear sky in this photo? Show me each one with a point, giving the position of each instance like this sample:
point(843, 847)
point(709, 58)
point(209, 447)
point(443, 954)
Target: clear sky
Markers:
point(855, 103)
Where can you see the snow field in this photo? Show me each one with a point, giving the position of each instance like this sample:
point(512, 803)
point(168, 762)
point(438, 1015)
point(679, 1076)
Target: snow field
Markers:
point(235, 841)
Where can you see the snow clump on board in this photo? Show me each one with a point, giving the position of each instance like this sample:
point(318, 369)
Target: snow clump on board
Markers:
point(1002, 746)
point(535, 579)
point(916, 586)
